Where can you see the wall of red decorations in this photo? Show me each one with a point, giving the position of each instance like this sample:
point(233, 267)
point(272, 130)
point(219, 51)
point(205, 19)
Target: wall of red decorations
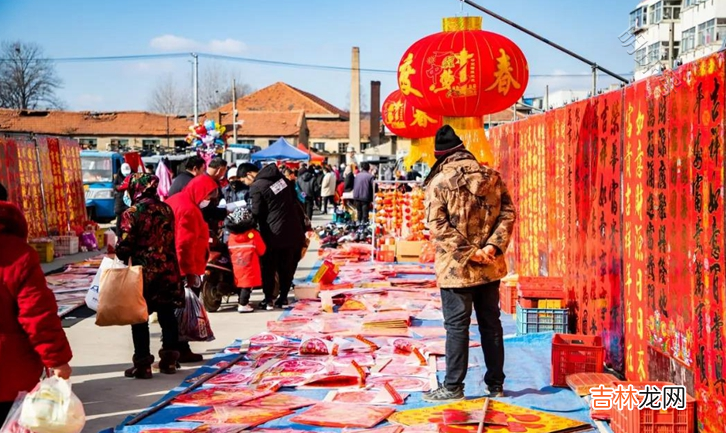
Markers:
point(622, 194)
point(43, 177)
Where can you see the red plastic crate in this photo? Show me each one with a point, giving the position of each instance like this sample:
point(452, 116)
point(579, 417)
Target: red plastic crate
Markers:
point(573, 354)
point(654, 421)
point(540, 288)
point(508, 298)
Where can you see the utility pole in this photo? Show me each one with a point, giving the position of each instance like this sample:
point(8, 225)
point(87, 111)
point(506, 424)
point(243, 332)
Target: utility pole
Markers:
point(195, 88)
point(671, 47)
point(594, 80)
point(234, 111)
point(546, 105)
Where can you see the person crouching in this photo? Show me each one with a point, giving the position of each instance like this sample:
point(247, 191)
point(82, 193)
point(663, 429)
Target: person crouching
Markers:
point(245, 248)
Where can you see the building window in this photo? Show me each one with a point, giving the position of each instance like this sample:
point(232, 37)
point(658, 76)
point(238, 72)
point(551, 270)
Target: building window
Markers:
point(150, 144)
point(688, 39)
point(656, 13)
point(271, 142)
point(638, 19)
point(319, 146)
point(653, 51)
point(342, 148)
point(365, 146)
point(88, 143)
point(250, 142)
point(672, 12)
point(640, 57)
point(707, 32)
point(119, 143)
point(720, 29)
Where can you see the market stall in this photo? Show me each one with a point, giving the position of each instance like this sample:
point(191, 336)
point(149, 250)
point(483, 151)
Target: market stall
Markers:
point(374, 341)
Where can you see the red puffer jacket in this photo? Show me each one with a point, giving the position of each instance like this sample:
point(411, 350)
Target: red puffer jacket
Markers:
point(31, 336)
point(245, 251)
point(192, 232)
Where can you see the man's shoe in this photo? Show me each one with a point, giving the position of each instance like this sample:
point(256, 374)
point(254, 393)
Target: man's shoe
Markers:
point(443, 395)
point(245, 309)
point(496, 392)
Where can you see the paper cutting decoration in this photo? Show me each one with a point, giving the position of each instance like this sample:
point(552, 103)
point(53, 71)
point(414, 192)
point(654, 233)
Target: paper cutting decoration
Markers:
point(294, 367)
point(282, 401)
point(245, 416)
point(400, 384)
point(341, 415)
point(517, 418)
point(220, 396)
point(381, 397)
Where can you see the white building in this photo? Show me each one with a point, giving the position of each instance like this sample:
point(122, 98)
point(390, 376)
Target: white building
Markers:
point(695, 28)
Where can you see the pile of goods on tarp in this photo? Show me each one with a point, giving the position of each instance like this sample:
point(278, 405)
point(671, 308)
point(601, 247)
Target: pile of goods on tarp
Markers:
point(375, 347)
point(335, 234)
point(70, 287)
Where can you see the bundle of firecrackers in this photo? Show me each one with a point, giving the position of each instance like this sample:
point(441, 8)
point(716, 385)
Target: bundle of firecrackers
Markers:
point(400, 214)
point(208, 138)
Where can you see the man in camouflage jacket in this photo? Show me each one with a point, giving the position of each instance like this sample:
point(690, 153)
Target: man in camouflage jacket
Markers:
point(471, 217)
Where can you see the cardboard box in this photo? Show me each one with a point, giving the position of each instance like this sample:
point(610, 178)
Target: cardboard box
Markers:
point(409, 251)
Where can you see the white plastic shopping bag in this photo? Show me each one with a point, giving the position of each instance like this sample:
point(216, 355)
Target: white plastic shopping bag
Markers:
point(93, 291)
point(52, 408)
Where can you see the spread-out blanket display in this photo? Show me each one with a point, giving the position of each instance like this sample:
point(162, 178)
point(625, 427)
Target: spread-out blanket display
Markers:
point(71, 285)
point(360, 359)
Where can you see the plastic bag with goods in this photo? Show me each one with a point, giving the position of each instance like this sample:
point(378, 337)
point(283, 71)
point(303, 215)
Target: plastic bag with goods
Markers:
point(193, 321)
point(50, 408)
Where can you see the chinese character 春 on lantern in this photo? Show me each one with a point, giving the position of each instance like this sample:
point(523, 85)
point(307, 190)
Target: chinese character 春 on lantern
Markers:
point(407, 121)
point(464, 73)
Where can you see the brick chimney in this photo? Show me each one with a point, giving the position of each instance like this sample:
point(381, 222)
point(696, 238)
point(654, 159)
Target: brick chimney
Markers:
point(375, 123)
point(354, 133)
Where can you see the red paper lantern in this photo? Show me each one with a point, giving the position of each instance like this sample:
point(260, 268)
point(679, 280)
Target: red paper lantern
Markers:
point(463, 71)
point(405, 120)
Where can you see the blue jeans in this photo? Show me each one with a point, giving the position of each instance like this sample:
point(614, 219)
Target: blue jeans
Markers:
point(457, 308)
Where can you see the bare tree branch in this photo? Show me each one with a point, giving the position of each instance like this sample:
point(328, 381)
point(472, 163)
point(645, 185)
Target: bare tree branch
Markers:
point(169, 98)
point(215, 87)
point(27, 79)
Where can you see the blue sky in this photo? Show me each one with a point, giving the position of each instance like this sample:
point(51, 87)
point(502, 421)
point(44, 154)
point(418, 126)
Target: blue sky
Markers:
point(302, 31)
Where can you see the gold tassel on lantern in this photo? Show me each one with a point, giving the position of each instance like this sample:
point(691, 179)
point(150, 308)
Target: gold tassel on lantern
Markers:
point(471, 131)
point(422, 149)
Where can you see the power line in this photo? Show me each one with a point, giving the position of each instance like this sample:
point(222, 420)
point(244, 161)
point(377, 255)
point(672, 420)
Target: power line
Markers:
point(347, 69)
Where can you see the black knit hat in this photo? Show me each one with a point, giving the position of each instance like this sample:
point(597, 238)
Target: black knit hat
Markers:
point(447, 141)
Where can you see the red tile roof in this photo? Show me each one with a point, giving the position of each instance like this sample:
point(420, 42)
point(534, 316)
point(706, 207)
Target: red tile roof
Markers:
point(337, 129)
point(283, 97)
point(504, 116)
point(79, 123)
point(266, 123)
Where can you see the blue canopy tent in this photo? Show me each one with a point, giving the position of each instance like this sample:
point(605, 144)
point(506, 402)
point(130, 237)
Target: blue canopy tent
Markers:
point(280, 150)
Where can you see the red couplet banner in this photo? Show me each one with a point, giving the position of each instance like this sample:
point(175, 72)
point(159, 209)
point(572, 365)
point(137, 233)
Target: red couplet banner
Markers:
point(622, 195)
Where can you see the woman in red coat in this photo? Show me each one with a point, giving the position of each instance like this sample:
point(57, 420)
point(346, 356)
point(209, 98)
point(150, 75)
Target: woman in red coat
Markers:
point(192, 238)
point(31, 336)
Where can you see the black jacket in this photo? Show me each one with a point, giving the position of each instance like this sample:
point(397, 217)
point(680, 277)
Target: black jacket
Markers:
point(277, 210)
point(349, 182)
point(180, 182)
point(119, 206)
point(307, 185)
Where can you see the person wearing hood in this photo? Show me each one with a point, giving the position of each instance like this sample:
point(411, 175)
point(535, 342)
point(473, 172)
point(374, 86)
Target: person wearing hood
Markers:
point(31, 335)
point(307, 187)
point(192, 238)
point(471, 217)
point(236, 190)
point(194, 166)
point(148, 240)
point(119, 207)
point(282, 226)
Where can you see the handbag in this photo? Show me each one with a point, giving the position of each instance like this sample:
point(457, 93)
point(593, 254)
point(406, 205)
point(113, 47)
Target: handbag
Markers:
point(121, 297)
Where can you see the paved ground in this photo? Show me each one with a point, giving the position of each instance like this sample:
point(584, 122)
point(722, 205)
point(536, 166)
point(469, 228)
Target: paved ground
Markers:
point(101, 355)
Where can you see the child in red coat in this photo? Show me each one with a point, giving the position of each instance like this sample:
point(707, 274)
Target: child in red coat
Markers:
point(245, 249)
